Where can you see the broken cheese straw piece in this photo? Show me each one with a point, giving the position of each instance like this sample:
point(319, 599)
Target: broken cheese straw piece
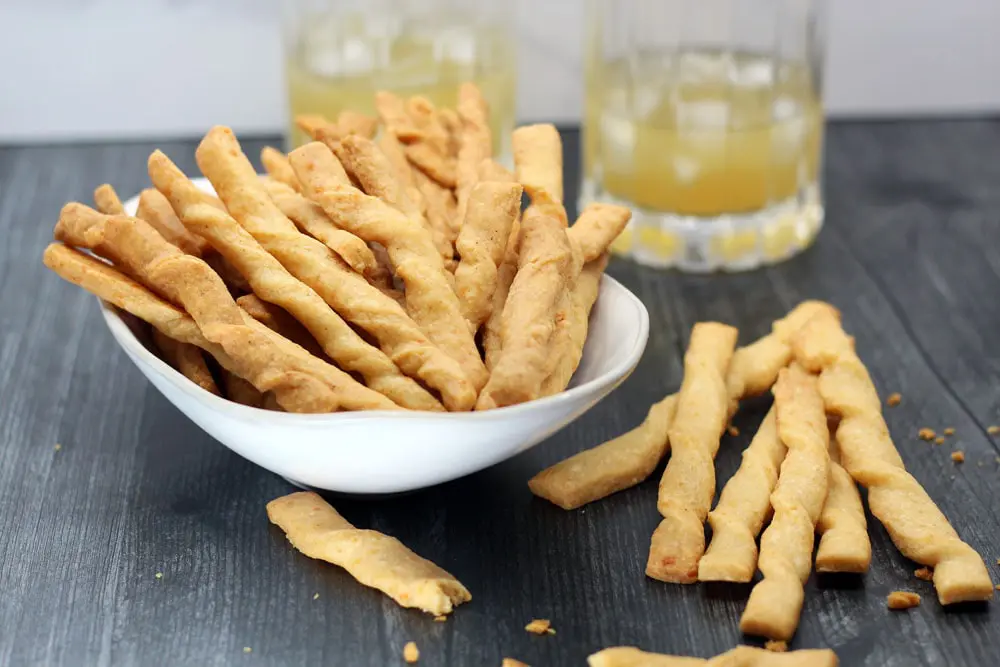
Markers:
point(451, 122)
point(916, 525)
point(743, 507)
point(277, 167)
point(753, 370)
point(582, 296)
point(843, 544)
point(155, 209)
point(741, 656)
point(316, 265)
point(786, 546)
point(373, 170)
point(430, 300)
point(107, 201)
point(272, 282)
point(617, 464)
point(310, 219)
point(187, 360)
point(597, 228)
point(392, 111)
point(373, 559)
point(475, 142)
point(529, 313)
point(688, 482)
point(491, 211)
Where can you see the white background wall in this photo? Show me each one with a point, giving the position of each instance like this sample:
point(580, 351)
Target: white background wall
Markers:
point(125, 68)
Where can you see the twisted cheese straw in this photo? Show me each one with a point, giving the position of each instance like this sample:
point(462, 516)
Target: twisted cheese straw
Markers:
point(741, 656)
point(475, 142)
point(278, 168)
point(430, 299)
point(752, 371)
point(688, 482)
point(743, 507)
point(915, 524)
point(316, 265)
point(786, 546)
point(843, 544)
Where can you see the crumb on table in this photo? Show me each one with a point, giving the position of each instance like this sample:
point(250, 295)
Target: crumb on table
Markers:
point(958, 457)
point(247, 649)
point(993, 430)
point(924, 573)
point(733, 431)
point(926, 433)
point(949, 431)
point(903, 600)
point(894, 399)
point(411, 653)
point(540, 626)
point(776, 645)
point(511, 662)
point(939, 440)
point(440, 619)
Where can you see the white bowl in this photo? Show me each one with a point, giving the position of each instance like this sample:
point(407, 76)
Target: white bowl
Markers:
point(382, 452)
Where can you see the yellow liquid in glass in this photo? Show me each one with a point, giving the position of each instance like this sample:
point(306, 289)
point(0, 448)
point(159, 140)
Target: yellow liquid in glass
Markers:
point(341, 61)
point(701, 134)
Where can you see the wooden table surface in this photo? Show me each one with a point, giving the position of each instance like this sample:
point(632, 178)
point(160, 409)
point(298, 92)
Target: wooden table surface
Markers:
point(910, 254)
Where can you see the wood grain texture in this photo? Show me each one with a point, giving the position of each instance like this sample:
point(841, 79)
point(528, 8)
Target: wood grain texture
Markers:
point(910, 255)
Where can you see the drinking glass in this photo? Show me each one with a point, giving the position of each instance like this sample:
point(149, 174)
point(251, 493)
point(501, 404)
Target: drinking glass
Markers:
point(339, 53)
point(705, 117)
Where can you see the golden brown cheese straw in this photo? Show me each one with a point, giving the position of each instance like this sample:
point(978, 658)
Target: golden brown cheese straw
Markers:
point(617, 464)
point(310, 218)
point(538, 162)
point(428, 148)
point(155, 209)
point(270, 281)
point(311, 124)
point(309, 260)
point(744, 505)
point(492, 208)
point(373, 170)
point(107, 201)
point(192, 283)
point(786, 546)
point(393, 151)
point(442, 215)
point(916, 525)
point(475, 142)
point(278, 320)
point(688, 482)
point(569, 345)
point(741, 656)
point(492, 338)
point(755, 367)
point(277, 167)
point(529, 313)
point(187, 359)
point(843, 543)
point(430, 299)
point(758, 367)
point(240, 391)
point(597, 228)
point(373, 559)
point(300, 381)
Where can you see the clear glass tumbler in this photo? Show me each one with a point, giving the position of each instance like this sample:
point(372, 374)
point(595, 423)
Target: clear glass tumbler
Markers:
point(705, 117)
point(338, 53)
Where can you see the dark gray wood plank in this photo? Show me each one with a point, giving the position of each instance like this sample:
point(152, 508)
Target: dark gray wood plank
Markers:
point(909, 255)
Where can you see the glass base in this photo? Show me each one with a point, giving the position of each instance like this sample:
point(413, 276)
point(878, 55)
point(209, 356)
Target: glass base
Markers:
point(731, 242)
